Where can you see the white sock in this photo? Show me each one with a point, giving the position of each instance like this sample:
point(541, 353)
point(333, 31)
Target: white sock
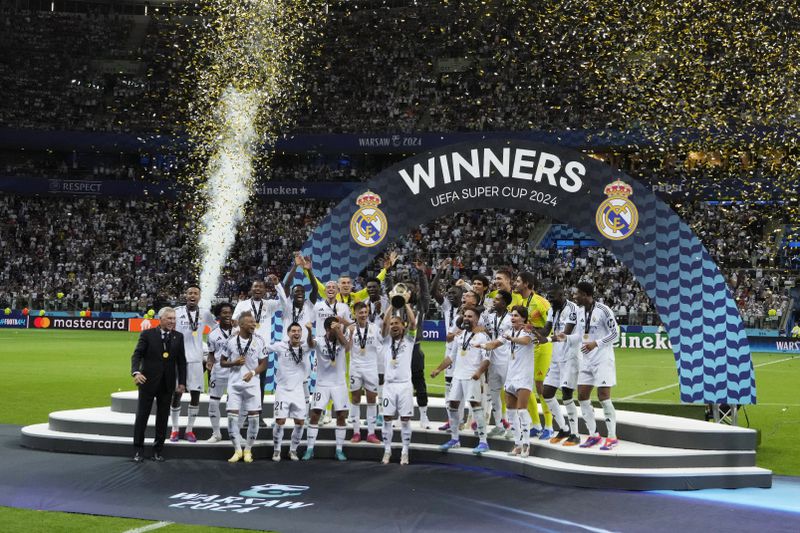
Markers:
point(480, 418)
point(372, 414)
point(277, 437)
point(213, 414)
point(311, 435)
point(174, 414)
point(454, 419)
point(497, 407)
point(307, 395)
point(340, 433)
point(572, 416)
point(252, 430)
point(525, 426)
point(513, 418)
point(297, 436)
point(355, 414)
point(388, 434)
point(405, 432)
point(611, 418)
point(380, 399)
point(193, 410)
point(558, 415)
point(233, 431)
point(423, 413)
point(588, 416)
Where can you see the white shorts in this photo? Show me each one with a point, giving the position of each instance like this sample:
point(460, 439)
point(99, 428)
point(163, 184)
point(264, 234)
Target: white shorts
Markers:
point(467, 390)
point(217, 384)
point(601, 373)
point(290, 403)
point(563, 373)
point(323, 394)
point(497, 376)
point(363, 378)
point(195, 381)
point(515, 385)
point(398, 399)
point(246, 399)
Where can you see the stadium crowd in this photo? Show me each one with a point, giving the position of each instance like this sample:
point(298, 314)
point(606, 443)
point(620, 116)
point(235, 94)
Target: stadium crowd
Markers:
point(122, 255)
point(115, 74)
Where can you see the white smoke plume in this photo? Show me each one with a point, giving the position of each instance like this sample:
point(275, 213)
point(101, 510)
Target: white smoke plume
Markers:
point(230, 177)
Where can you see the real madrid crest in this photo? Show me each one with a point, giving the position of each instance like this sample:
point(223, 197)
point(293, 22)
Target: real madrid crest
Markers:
point(368, 226)
point(617, 216)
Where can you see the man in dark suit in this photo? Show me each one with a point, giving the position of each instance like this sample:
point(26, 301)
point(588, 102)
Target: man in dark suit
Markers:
point(157, 364)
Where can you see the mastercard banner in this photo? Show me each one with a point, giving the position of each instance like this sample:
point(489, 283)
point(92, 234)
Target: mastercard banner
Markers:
point(107, 324)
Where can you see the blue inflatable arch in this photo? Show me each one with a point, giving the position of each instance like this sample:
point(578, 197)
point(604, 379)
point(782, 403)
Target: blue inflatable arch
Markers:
point(705, 329)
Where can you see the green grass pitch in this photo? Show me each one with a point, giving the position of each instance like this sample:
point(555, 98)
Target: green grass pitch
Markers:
point(53, 370)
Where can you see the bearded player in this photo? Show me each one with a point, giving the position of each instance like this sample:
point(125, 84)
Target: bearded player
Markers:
point(191, 321)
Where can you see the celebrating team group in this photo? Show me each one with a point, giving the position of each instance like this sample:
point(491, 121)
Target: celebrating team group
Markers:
point(508, 349)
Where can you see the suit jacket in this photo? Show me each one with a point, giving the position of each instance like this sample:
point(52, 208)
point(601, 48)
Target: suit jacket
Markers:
point(148, 358)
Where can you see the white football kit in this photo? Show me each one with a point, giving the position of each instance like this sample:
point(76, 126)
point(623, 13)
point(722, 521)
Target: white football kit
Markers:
point(520, 363)
point(398, 391)
point(192, 324)
point(290, 313)
point(292, 365)
point(598, 368)
point(331, 366)
point(364, 351)
point(497, 325)
point(376, 310)
point(218, 380)
point(245, 395)
point(263, 311)
point(566, 361)
point(324, 310)
point(450, 314)
point(468, 360)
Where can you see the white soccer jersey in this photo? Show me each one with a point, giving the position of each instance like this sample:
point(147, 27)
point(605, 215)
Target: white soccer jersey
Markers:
point(292, 364)
point(290, 313)
point(330, 370)
point(520, 362)
point(497, 325)
point(560, 319)
point(468, 358)
point(366, 347)
point(191, 324)
point(324, 310)
point(602, 328)
point(217, 340)
point(397, 358)
point(262, 311)
point(376, 310)
point(254, 350)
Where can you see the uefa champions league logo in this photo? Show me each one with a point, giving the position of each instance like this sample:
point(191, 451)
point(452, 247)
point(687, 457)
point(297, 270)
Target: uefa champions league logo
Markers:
point(368, 226)
point(617, 217)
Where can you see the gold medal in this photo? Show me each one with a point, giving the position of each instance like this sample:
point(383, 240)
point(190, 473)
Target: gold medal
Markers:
point(363, 351)
point(194, 334)
point(586, 336)
point(333, 362)
point(394, 362)
point(165, 355)
point(463, 352)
